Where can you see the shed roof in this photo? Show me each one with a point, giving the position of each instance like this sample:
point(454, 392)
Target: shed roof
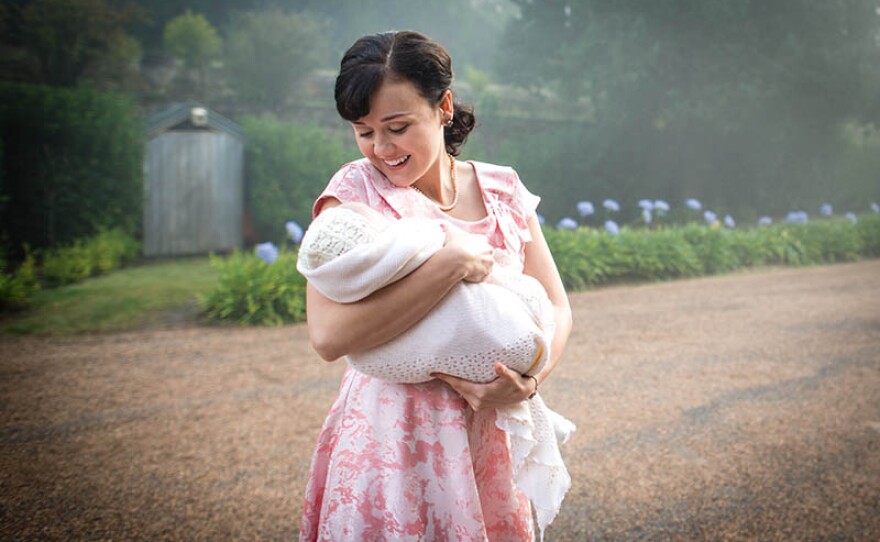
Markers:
point(178, 113)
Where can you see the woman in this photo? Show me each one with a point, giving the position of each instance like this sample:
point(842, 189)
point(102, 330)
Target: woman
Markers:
point(420, 461)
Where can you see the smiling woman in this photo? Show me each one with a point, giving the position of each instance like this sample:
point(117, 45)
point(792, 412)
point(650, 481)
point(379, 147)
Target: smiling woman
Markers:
point(425, 461)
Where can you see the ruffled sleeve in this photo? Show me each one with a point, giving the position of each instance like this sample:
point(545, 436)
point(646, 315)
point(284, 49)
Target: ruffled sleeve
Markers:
point(511, 203)
point(355, 182)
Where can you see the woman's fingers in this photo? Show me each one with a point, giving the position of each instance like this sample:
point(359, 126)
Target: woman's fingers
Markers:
point(465, 388)
point(509, 388)
point(474, 251)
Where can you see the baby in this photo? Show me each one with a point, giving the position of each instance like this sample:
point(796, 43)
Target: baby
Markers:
point(350, 251)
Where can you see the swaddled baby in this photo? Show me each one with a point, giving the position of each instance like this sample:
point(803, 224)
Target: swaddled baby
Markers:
point(350, 251)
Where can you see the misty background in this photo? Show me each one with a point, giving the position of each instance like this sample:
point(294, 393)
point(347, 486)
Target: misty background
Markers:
point(753, 107)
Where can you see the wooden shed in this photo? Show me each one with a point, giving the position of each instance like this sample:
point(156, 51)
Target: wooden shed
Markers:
point(194, 188)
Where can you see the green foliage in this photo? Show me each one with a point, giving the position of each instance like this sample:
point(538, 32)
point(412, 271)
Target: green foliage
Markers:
point(72, 164)
point(104, 252)
point(588, 257)
point(713, 246)
point(66, 265)
point(287, 166)
point(271, 52)
point(738, 104)
point(253, 292)
point(192, 38)
point(67, 38)
point(17, 287)
point(868, 229)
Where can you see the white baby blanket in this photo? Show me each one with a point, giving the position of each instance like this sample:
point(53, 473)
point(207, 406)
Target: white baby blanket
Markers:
point(350, 251)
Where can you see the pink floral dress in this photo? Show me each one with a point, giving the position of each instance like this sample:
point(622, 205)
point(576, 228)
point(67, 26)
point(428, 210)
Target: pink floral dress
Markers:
point(401, 462)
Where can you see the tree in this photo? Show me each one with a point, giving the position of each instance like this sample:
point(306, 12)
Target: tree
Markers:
point(67, 38)
point(734, 102)
point(270, 52)
point(191, 38)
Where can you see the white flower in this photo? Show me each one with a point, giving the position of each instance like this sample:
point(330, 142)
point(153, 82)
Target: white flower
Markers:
point(729, 221)
point(267, 252)
point(585, 208)
point(710, 217)
point(611, 205)
point(612, 227)
point(294, 231)
point(661, 206)
point(567, 223)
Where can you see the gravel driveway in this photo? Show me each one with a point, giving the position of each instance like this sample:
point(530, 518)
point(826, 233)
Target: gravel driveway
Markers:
point(744, 407)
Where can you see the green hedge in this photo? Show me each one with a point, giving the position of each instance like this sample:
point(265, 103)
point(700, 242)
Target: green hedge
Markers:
point(253, 292)
point(72, 163)
point(287, 166)
point(17, 286)
point(83, 258)
point(589, 257)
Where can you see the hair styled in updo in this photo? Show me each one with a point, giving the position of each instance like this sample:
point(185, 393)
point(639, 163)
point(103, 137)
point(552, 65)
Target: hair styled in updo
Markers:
point(404, 55)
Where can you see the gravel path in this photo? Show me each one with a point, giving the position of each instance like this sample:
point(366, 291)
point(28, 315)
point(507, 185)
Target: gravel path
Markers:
point(744, 407)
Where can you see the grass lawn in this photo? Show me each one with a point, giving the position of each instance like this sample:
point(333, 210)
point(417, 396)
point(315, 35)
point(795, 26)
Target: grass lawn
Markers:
point(130, 298)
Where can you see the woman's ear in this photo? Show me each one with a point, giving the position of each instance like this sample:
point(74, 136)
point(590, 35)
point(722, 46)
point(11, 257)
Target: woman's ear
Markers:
point(446, 108)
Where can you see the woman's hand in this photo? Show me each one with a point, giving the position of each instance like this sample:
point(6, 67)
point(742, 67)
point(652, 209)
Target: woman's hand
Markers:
point(509, 388)
point(472, 252)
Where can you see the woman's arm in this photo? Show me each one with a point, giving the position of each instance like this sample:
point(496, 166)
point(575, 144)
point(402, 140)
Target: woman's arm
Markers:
point(510, 387)
point(336, 329)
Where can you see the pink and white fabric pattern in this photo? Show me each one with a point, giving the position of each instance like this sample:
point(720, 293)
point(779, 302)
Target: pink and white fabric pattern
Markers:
point(412, 461)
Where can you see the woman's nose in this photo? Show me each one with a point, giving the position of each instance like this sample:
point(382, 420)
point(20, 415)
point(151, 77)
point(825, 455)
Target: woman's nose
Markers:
point(382, 146)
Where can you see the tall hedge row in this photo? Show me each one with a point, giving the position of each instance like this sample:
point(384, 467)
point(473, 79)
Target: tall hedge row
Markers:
point(72, 164)
point(286, 166)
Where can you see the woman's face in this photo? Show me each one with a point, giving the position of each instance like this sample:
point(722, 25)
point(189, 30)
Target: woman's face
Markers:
point(403, 133)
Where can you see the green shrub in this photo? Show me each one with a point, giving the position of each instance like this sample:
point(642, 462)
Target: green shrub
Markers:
point(584, 257)
point(72, 164)
point(868, 229)
point(111, 249)
point(287, 166)
point(66, 265)
point(16, 288)
point(654, 255)
point(253, 292)
point(714, 248)
point(108, 250)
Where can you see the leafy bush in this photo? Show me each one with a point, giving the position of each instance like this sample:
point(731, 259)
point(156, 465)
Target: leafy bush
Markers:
point(253, 292)
point(16, 288)
point(868, 229)
point(72, 164)
point(587, 257)
point(287, 166)
point(104, 252)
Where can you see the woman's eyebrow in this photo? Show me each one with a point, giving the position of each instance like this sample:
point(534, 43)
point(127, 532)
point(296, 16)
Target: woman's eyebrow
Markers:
point(392, 116)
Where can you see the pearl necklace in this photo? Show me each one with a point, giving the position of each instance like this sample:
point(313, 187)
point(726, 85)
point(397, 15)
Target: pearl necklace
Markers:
point(445, 208)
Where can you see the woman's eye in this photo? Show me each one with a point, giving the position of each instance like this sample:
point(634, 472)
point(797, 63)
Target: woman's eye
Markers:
point(399, 130)
point(365, 134)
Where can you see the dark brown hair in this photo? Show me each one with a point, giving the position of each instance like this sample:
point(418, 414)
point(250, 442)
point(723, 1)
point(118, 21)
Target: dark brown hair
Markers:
point(403, 55)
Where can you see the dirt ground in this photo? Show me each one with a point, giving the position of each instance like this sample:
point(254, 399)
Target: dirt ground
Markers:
point(744, 407)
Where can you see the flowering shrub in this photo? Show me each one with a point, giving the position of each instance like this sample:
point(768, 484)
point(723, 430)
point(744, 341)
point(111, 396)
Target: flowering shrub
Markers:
point(251, 291)
point(254, 291)
point(589, 256)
